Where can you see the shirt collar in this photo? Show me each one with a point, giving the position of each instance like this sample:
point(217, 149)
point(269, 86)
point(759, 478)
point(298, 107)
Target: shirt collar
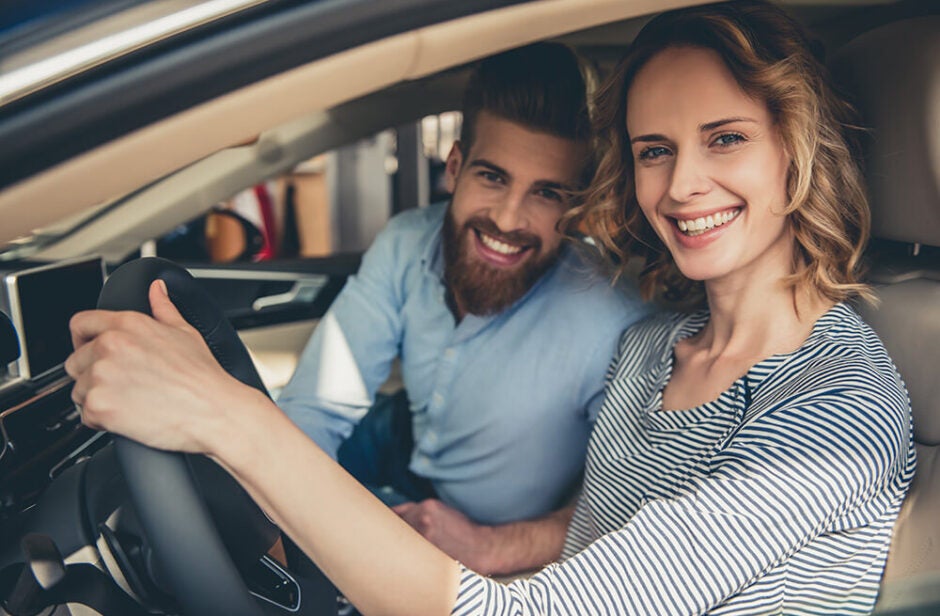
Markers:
point(432, 257)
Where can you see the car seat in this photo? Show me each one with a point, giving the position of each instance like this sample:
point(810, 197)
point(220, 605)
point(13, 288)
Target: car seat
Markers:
point(892, 74)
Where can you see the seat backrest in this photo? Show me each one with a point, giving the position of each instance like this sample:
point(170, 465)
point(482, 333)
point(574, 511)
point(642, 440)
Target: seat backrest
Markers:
point(893, 75)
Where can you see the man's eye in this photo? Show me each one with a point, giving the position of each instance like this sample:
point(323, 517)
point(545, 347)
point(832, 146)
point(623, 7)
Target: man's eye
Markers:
point(490, 176)
point(653, 152)
point(728, 139)
point(550, 194)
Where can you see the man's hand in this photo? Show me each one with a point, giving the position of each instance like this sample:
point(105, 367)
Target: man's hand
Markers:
point(490, 550)
point(453, 532)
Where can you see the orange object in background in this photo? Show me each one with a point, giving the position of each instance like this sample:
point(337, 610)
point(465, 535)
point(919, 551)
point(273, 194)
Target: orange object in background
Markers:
point(312, 212)
point(225, 238)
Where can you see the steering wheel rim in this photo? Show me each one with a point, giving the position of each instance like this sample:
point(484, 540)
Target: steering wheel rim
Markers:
point(184, 535)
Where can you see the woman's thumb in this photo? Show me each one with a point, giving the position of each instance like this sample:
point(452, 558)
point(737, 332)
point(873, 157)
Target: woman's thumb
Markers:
point(160, 305)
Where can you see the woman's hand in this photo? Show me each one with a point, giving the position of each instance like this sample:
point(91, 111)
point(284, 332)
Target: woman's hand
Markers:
point(153, 380)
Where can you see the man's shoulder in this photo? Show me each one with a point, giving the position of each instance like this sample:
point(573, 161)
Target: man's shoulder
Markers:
point(582, 281)
point(416, 221)
point(406, 237)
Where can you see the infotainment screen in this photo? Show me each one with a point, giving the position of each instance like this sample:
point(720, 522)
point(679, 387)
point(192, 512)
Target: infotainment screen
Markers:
point(42, 301)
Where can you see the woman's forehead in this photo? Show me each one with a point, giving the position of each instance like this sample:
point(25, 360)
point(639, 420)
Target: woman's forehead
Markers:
point(686, 86)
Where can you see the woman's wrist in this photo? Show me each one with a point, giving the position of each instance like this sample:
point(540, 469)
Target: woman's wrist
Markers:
point(241, 419)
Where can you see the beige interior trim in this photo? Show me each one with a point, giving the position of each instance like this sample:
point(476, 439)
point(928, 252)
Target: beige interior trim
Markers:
point(154, 151)
point(276, 349)
point(159, 149)
point(184, 195)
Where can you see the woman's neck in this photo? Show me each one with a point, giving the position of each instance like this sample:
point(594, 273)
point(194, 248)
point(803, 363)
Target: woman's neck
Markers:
point(757, 315)
point(749, 322)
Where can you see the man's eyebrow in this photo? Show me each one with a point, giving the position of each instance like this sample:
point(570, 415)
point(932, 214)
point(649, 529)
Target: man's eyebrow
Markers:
point(704, 128)
point(552, 185)
point(482, 162)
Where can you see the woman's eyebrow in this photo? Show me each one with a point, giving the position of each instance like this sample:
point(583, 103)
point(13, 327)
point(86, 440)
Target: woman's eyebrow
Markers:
point(702, 128)
point(719, 123)
point(645, 138)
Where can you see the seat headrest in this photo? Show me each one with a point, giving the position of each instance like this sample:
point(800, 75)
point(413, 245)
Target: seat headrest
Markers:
point(894, 74)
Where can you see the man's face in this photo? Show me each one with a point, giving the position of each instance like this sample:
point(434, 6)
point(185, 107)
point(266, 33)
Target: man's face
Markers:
point(509, 190)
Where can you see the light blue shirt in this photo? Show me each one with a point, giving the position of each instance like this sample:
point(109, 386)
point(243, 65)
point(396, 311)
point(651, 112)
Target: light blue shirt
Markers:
point(502, 405)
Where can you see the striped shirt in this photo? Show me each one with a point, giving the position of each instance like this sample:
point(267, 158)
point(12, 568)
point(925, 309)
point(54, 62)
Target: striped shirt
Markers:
point(779, 497)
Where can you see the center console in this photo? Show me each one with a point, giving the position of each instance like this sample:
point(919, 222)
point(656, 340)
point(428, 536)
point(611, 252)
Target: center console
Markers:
point(40, 429)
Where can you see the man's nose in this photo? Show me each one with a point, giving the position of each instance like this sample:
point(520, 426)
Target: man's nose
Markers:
point(689, 177)
point(509, 212)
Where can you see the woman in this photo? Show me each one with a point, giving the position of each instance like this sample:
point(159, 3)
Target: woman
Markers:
point(749, 458)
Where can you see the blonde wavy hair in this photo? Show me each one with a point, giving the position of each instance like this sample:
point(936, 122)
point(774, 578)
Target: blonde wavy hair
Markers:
point(770, 57)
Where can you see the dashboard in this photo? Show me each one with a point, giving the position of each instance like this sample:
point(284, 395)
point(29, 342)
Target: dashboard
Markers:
point(41, 434)
point(64, 502)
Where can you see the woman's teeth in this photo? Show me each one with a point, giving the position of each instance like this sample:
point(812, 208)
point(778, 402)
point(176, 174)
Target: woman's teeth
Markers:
point(699, 226)
point(498, 246)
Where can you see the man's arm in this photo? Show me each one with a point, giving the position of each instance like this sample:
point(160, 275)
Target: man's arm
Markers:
point(350, 353)
point(504, 549)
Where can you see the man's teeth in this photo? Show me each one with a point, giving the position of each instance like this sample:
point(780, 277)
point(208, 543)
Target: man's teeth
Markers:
point(498, 246)
point(699, 226)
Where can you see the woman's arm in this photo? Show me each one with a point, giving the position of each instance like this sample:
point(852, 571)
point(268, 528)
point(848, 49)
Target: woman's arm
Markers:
point(156, 382)
point(379, 562)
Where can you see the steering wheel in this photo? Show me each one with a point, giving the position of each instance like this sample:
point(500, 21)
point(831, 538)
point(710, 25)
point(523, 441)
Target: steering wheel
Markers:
point(203, 527)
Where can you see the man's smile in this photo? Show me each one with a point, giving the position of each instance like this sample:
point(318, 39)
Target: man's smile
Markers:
point(498, 251)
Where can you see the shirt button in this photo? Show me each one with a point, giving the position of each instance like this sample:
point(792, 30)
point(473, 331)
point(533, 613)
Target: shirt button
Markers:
point(432, 436)
point(449, 353)
point(437, 398)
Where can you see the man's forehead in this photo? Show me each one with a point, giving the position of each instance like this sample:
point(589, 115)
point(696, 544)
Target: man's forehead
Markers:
point(519, 150)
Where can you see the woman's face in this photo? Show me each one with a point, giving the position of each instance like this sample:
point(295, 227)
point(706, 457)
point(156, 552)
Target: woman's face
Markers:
point(710, 168)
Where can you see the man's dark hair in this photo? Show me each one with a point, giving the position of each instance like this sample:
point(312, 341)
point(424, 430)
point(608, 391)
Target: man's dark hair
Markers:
point(539, 86)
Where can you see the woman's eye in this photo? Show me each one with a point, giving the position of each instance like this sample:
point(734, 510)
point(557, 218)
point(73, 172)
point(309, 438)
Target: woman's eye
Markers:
point(728, 139)
point(653, 152)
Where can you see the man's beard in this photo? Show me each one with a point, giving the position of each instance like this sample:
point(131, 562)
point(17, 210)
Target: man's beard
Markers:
point(478, 287)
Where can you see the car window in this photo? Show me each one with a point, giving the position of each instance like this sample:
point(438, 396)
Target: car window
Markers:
point(331, 204)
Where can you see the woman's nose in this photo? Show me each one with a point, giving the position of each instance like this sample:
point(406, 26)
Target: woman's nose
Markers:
point(689, 177)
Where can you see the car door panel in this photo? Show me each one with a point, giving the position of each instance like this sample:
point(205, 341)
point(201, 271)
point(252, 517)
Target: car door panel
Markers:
point(275, 305)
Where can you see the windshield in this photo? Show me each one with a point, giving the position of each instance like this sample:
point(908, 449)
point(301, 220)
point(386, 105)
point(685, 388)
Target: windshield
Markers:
point(43, 42)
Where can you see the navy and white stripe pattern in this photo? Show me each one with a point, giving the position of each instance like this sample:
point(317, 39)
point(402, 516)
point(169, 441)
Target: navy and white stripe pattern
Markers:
point(779, 497)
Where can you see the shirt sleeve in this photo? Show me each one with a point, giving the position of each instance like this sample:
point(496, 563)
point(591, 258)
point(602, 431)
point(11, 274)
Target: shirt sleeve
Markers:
point(352, 349)
point(794, 473)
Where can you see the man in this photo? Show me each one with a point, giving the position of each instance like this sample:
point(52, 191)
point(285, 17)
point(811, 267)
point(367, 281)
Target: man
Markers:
point(503, 330)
